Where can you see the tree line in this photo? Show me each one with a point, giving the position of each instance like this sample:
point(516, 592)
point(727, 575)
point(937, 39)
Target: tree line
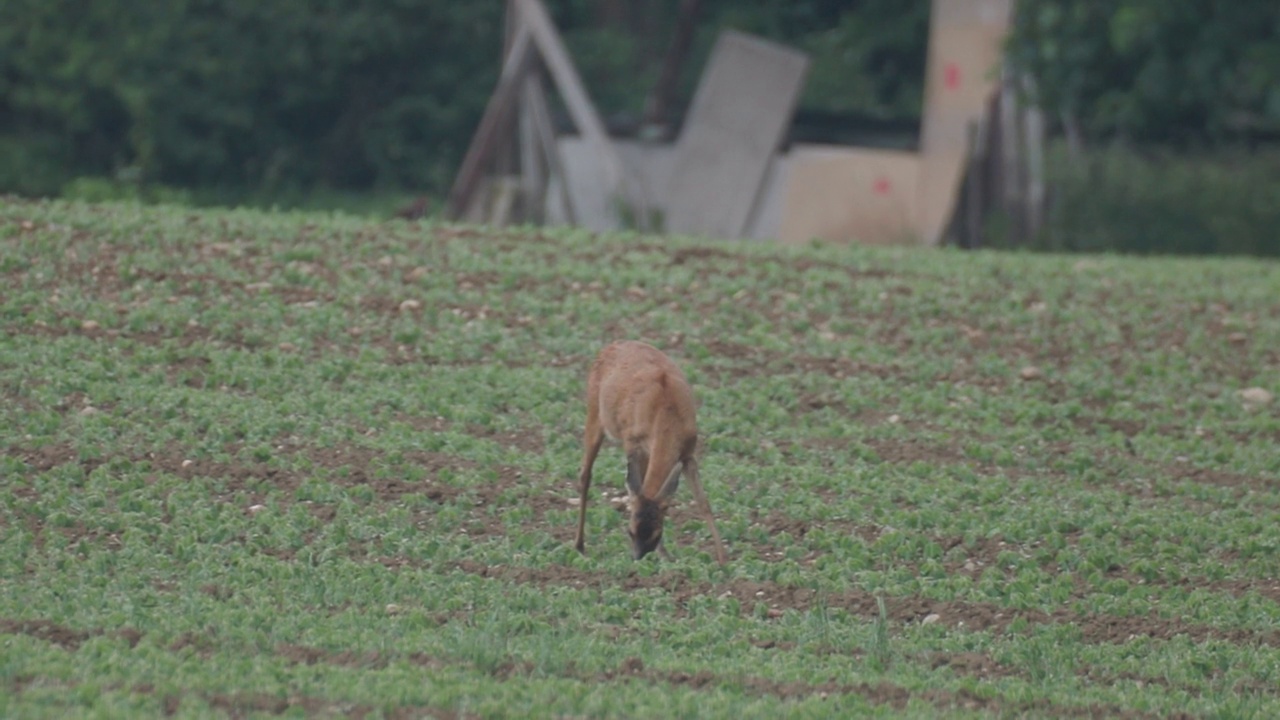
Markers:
point(275, 95)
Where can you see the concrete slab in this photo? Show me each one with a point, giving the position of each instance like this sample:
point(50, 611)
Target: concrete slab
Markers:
point(647, 165)
point(738, 119)
point(844, 194)
point(767, 218)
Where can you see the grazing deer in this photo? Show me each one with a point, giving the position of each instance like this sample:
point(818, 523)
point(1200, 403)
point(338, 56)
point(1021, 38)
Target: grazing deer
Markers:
point(637, 395)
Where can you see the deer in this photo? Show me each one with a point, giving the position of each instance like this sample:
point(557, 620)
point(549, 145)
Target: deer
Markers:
point(638, 396)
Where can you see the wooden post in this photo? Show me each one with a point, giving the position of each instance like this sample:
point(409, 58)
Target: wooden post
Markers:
point(540, 117)
point(534, 15)
point(532, 170)
point(506, 192)
point(496, 119)
point(506, 156)
point(1011, 182)
point(974, 191)
point(1034, 134)
point(657, 106)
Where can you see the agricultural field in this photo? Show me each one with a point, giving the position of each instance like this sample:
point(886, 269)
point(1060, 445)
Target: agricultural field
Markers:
point(261, 464)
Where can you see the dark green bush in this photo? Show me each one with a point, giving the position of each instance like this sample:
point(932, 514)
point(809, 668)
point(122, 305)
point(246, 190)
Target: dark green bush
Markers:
point(284, 98)
point(268, 95)
point(1125, 201)
point(1180, 73)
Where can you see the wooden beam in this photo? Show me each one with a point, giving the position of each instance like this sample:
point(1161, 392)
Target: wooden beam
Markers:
point(496, 119)
point(533, 172)
point(1034, 135)
point(1011, 159)
point(510, 24)
point(506, 189)
point(973, 191)
point(540, 115)
point(657, 107)
point(506, 158)
point(534, 15)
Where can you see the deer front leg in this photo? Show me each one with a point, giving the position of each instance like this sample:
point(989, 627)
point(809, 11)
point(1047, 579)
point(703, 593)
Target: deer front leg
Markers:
point(592, 441)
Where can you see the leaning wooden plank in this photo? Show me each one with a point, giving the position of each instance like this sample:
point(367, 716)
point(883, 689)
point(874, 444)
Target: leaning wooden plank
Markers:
point(534, 15)
point(532, 168)
point(545, 134)
point(496, 119)
point(658, 104)
point(506, 189)
point(506, 157)
point(1011, 161)
point(739, 116)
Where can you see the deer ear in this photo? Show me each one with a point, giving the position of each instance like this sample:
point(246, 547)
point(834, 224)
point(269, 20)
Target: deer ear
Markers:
point(671, 484)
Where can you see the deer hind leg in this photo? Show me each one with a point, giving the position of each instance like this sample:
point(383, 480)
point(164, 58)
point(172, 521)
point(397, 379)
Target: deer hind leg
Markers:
point(593, 438)
point(691, 470)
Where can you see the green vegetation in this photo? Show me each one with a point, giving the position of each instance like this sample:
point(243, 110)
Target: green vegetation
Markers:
point(314, 465)
point(1184, 73)
point(362, 107)
point(238, 99)
point(1120, 199)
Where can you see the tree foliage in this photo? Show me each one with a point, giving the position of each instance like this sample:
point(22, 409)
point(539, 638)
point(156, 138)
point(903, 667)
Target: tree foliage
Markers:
point(1186, 72)
point(292, 95)
point(227, 92)
point(287, 94)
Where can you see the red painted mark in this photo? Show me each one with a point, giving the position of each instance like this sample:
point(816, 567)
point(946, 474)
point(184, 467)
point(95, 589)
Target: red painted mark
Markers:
point(882, 186)
point(951, 76)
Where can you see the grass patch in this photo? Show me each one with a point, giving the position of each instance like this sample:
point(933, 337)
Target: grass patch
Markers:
point(311, 464)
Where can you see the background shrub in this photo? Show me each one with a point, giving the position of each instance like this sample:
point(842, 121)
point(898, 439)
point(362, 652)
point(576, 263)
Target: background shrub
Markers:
point(1119, 199)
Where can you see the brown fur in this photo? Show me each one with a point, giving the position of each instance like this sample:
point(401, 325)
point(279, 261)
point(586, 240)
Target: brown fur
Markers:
point(638, 396)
